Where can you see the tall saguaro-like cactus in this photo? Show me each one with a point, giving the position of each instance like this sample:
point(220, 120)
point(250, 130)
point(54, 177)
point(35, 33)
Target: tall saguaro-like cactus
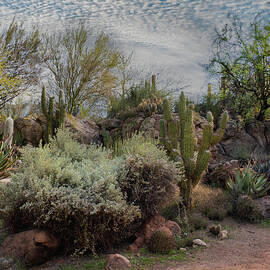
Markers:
point(178, 137)
point(53, 120)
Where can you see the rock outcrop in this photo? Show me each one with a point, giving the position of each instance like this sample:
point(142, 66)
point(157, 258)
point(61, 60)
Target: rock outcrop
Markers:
point(33, 247)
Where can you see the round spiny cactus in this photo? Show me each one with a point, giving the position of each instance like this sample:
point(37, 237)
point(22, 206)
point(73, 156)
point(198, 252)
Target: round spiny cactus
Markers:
point(161, 242)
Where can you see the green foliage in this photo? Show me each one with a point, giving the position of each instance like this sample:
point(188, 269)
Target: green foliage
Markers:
point(138, 99)
point(171, 212)
point(18, 58)
point(212, 102)
point(86, 74)
point(161, 243)
point(242, 58)
point(70, 190)
point(248, 210)
point(151, 179)
point(84, 195)
point(248, 182)
point(54, 119)
point(195, 158)
point(7, 159)
point(107, 139)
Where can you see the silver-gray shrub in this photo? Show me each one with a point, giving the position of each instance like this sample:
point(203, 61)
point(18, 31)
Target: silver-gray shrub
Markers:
point(85, 195)
point(71, 190)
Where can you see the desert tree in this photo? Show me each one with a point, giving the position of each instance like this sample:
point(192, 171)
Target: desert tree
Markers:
point(84, 70)
point(241, 56)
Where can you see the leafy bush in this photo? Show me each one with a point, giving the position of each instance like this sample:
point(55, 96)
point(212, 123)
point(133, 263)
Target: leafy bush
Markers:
point(248, 182)
point(247, 209)
point(212, 202)
point(70, 190)
point(151, 179)
point(84, 195)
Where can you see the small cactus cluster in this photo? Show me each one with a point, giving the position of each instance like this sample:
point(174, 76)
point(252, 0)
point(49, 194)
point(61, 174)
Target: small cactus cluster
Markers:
point(150, 106)
point(195, 157)
point(54, 120)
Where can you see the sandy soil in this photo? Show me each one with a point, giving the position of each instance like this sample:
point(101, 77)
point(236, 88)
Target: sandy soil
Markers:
point(248, 248)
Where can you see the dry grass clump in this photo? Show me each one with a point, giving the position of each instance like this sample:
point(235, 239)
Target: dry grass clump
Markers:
point(212, 202)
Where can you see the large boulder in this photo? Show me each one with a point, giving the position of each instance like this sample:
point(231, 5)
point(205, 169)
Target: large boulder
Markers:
point(117, 262)
point(85, 131)
point(33, 247)
point(30, 129)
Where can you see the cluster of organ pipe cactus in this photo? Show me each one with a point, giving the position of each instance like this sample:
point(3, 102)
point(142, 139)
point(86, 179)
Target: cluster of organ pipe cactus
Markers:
point(179, 139)
point(54, 120)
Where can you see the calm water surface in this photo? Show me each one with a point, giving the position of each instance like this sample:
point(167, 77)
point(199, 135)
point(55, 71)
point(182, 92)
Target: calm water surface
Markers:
point(169, 36)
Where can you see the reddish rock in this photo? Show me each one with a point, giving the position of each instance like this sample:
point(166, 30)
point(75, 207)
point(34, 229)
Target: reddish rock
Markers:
point(166, 231)
point(174, 227)
point(117, 262)
point(30, 129)
point(34, 246)
point(151, 226)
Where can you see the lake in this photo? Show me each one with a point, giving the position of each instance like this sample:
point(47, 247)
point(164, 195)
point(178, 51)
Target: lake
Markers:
point(168, 37)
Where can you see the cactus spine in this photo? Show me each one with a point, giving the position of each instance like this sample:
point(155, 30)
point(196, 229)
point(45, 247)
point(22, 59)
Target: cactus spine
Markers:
point(53, 122)
point(195, 157)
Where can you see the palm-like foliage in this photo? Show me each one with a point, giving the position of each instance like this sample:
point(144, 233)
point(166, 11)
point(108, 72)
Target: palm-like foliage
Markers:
point(248, 182)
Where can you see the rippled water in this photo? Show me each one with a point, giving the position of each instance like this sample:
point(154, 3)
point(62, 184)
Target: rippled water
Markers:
point(169, 35)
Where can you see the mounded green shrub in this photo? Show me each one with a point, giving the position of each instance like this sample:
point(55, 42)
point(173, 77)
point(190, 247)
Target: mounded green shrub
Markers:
point(70, 190)
point(150, 180)
point(248, 210)
point(83, 194)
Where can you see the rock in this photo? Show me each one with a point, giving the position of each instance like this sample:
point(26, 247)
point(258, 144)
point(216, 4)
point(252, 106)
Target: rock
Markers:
point(183, 249)
point(264, 204)
point(223, 235)
point(199, 242)
point(34, 246)
point(5, 180)
point(174, 227)
point(117, 262)
point(30, 129)
point(156, 223)
point(85, 131)
point(131, 125)
point(109, 124)
point(221, 172)
point(215, 229)
point(151, 226)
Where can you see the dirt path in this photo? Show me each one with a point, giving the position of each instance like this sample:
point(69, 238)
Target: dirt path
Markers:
point(248, 248)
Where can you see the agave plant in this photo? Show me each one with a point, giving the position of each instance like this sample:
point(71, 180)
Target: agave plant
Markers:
point(248, 182)
point(7, 159)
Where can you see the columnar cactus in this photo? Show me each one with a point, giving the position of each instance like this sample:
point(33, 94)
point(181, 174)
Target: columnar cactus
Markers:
point(53, 121)
point(8, 131)
point(195, 157)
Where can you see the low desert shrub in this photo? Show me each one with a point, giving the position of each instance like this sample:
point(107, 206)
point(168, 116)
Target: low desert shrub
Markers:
point(83, 194)
point(197, 221)
point(71, 190)
point(150, 180)
point(247, 209)
point(183, 242)
point(212, 202)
